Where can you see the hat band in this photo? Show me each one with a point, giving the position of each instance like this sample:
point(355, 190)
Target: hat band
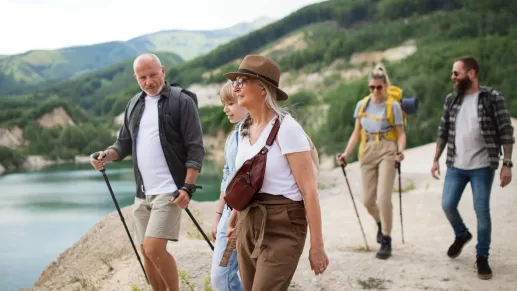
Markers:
point(258, 75)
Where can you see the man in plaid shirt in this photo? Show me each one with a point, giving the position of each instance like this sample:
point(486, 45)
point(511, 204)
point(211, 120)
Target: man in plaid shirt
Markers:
point(475, 125)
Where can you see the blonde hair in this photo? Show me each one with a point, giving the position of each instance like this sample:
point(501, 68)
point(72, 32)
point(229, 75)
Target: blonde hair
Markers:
point(226, 93)
point(271, 102)
point(380, 73)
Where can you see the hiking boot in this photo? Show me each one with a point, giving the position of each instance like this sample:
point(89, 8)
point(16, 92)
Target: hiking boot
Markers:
point(484, 271)
point(385, 250)
point(458, 244)
point(379, 232)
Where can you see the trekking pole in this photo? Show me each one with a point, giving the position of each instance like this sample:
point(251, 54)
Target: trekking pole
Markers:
point(103, 171)
point(352, 196)
point(397, 165)
point(175, 195)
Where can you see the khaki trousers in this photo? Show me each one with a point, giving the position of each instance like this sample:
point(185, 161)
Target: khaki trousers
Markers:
point(378, 175)
point(270, 242)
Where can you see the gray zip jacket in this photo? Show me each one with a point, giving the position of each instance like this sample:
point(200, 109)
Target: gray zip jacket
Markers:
point(181, 136)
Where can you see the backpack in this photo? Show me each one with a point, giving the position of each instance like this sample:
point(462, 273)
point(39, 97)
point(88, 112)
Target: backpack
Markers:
point(409, 106)
point(176, 91)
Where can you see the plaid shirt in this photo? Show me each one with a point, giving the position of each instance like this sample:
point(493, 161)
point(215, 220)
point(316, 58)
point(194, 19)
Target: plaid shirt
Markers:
point(495, 132)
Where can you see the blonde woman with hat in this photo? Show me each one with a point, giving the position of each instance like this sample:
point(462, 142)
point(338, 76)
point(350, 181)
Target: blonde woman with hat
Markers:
point(271, 232)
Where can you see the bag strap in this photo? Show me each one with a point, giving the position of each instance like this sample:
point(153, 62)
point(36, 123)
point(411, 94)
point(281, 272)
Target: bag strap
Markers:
point(273, 133)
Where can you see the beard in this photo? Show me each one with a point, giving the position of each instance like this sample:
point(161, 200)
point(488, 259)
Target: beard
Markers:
point(463, 85)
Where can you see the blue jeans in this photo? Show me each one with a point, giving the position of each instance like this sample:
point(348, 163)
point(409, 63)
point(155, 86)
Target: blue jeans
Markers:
point(224, 278)
point(481, 183)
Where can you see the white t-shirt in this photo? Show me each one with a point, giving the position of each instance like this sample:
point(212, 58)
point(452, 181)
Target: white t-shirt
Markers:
point(278, 178)
point(471, 152)
point(155, 173)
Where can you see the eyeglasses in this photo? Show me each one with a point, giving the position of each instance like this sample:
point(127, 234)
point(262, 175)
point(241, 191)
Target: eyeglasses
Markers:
point(375, 87)
point(455, 73)
point(238, 83)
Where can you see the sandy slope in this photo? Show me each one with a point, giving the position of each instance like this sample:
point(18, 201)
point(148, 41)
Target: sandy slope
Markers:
point(419, 264)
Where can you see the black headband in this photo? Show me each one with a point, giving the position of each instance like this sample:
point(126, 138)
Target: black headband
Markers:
point(258, 75)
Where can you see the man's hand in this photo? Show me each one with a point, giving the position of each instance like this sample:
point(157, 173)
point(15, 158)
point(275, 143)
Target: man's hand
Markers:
point(434, 169)
point(98, 163)
point(182, 200)
point(505, 176)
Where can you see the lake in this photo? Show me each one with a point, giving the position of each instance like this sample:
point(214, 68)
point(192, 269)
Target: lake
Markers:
point(43, 213)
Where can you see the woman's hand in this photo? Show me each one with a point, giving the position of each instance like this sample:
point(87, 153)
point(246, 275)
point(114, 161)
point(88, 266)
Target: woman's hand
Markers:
point(341, 158)
point(229, 231)
point(232, 223)
point(301, 164)
point(399, 157)
point(318, 259)
point(215, 222)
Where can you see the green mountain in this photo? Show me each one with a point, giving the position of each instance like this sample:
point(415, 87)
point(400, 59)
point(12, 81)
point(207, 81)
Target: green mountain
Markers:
point(325, 51)
point(28, 71)
point(190, 44)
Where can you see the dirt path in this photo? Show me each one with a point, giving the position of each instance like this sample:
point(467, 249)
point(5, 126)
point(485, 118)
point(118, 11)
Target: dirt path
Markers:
point(104, 260)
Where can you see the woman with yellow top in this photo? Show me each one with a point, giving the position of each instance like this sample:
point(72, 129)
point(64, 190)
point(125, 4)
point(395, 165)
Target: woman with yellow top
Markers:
point(379, 126)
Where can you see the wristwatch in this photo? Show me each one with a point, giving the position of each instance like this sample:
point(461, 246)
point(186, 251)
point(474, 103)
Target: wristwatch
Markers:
point(509, 164)
point(190, 188)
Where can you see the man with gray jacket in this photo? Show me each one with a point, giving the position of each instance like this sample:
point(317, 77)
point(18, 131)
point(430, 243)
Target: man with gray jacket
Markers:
point(162, 132)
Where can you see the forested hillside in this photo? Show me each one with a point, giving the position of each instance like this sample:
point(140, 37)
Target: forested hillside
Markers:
point(335, 31)
point(325, 51)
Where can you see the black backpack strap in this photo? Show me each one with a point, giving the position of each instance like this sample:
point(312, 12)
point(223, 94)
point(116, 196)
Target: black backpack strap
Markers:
point(176, 91)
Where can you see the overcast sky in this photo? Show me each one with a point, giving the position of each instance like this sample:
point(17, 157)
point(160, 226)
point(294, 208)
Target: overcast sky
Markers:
point(51, 24)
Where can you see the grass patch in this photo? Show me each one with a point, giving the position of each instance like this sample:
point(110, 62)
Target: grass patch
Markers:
point(208, 286)
point(186, 280)
point(86, 284)
point(195, 234)
point(409, 187)
point(373, 283)
point(360, 249)
point(107, 263)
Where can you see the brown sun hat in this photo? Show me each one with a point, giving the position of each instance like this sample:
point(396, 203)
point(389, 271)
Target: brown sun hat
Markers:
point(260, 67)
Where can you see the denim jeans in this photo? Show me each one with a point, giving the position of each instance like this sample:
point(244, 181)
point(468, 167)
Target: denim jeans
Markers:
point(224, 278)
point(481, 183)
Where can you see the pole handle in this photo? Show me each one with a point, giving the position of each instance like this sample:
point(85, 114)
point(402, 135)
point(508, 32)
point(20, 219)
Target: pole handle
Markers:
point(96, 155)
point(344, 161)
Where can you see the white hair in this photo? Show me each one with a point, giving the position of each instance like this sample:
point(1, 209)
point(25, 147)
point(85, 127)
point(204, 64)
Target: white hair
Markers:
point(147, 57)
point(271, 102)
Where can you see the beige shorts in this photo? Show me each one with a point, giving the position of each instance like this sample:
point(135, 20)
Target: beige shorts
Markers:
point(156, 216)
